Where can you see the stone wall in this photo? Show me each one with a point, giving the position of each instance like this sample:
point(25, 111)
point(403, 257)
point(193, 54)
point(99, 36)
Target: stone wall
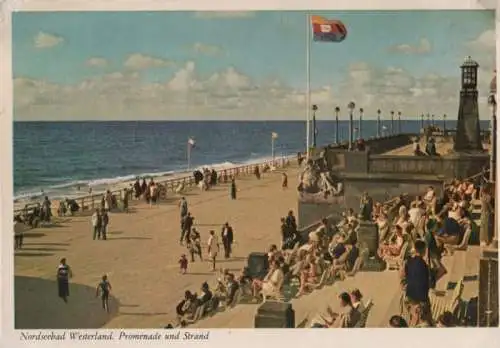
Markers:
point(384, 187)
point(450, 166)
point(310, 213)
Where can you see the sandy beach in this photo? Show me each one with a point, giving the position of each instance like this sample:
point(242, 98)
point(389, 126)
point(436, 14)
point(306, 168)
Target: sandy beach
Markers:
point(140, 257)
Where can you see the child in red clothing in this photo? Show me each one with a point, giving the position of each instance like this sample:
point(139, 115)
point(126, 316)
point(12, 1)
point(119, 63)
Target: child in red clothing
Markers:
point(183, 263)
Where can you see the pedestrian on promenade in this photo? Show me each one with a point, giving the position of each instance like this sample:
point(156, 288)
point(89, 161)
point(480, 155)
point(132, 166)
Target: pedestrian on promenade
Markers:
point(256, 172)
point(18, 233)
point(104, 224)
point(186, 225)
point(213, 248)
point(63, 274)
point(227, 239)
point(104, 287)
point(46, 211)
point(126, 196)
point(233, 188)
point(183, 264)
point(183, 207)
point(284, 181)
point(96, 224)
point(194, 245)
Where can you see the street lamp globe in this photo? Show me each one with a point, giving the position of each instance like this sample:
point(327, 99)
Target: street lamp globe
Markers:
point(361, 110)
point(315, 107)
point(351, 106)
point(379, 112)
point(337, 109)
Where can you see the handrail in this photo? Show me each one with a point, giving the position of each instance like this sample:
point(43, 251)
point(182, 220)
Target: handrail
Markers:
point(87, 202)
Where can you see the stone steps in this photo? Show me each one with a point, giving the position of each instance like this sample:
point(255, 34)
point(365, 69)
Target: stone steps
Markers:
point(471, 273)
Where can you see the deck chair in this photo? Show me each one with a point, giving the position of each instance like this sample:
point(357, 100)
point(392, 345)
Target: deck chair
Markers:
point(441, 304)
point(463, 244)
point(396, 262)
point(364, 315)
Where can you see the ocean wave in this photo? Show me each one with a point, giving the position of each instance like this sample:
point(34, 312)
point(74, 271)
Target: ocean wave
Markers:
point(75, 188)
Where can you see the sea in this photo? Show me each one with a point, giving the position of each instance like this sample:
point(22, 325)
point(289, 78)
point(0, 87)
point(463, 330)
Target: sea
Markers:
point(65, 159)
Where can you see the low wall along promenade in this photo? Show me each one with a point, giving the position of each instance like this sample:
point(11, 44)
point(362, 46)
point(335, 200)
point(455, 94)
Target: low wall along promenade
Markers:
point(167, 187)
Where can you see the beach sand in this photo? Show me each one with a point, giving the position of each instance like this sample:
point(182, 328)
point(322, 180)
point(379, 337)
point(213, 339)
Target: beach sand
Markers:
point(140, 257)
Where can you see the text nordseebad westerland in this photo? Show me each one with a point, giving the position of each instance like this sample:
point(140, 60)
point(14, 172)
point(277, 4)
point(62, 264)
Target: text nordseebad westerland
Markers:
point(167, 335)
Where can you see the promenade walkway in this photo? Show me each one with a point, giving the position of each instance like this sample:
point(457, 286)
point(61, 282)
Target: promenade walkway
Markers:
point(140, 256)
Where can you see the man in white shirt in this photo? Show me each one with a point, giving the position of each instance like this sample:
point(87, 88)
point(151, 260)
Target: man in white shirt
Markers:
point(415, 213)
point(213, 248)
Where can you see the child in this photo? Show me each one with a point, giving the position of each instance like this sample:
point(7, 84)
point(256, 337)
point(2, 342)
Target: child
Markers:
point(104, 287)
point(183, 262)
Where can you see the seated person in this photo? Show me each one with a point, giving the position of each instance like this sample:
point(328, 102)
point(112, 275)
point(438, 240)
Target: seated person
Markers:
point(347, 318)
point(231, 290)
point(393, 247)
point(397, 321)
point(272, 282)
point(204, 302)
point(449, 233)
point(356, 297)
point(383, 226)
point(308, 275)
point(430, 198)
point(446, 320)
point(187, 307)
point(273, 253)
point(337, 248)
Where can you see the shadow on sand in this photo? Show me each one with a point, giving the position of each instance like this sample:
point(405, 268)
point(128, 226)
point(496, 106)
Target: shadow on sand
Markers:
point(37, 306)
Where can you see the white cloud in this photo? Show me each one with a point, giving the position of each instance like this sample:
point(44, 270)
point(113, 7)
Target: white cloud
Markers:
point(231, 94)
point(97, 62)
point(223, 14)
point(485, 40)
point(138, 61)
point(423, 46)
point(206, 49)
point(46, 40)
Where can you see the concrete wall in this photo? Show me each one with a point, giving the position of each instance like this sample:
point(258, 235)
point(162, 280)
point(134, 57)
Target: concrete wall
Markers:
point(460, 166)
point(310, 213)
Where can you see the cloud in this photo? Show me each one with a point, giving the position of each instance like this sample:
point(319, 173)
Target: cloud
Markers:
point(97, 62)
point(45, 40)
point(231, 94)
point(138, 61)
point(223, 14)
point(206, 49)
point(423, 46)
point(485, 40)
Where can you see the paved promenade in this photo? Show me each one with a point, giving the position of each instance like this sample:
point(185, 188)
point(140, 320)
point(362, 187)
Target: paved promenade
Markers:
point(140, 256)
point(443, 148)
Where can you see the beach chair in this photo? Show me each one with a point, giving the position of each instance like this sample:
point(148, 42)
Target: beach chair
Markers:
point(441, 304)
point(463, 244)
point(396, 262)
point(364, 315)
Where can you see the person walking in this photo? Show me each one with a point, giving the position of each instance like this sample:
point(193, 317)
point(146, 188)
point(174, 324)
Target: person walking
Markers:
point(183, 207)
point(233, 188)
point(227, 239)
point(284, 181)
point(96, 224)
point(213, 248)
point(194, 245)
point(104, 287)
point(186, 225)
point(104, 224)
point(63, 274)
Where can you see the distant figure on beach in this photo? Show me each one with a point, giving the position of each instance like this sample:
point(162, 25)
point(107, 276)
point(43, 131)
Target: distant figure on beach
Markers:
point(180, 188)
point(104, 288)
point(227, 239)
point(46, 211)
point(18, 232)
point(430, 147)
point(233, 188)
point(72, 206)
point(213, 177)
point(284, 181)
point(256, 172)
point(183, 207)
point(213, 248)
point(126, 196)
point(137, 189)
point(198, 176)
point(300, 159)
point(108, 201)
point(144, 187)
point(224, 176)
point(63, 274)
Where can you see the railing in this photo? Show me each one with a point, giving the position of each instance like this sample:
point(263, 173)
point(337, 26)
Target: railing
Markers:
point(89, 202)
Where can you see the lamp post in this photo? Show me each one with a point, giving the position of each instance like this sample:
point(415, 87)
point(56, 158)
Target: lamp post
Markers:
point(432, 120)
point(444, 124)
point(360, 127)
point(378, 123)
point(337, 110)
point(351, 107)
point(315, 130)
point(428, 119)
point(392, 122)
point(422, 125)
point(493, 126)
point(399, 122)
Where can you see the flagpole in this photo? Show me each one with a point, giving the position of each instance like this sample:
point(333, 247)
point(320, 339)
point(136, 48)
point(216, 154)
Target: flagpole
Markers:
point(272, 147)
point(308, 85)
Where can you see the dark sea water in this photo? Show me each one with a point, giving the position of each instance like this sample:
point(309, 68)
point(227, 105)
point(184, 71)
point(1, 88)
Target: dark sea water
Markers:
point(56, 157)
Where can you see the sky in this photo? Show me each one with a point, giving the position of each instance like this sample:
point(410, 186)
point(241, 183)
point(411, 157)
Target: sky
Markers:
point(243, 65)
